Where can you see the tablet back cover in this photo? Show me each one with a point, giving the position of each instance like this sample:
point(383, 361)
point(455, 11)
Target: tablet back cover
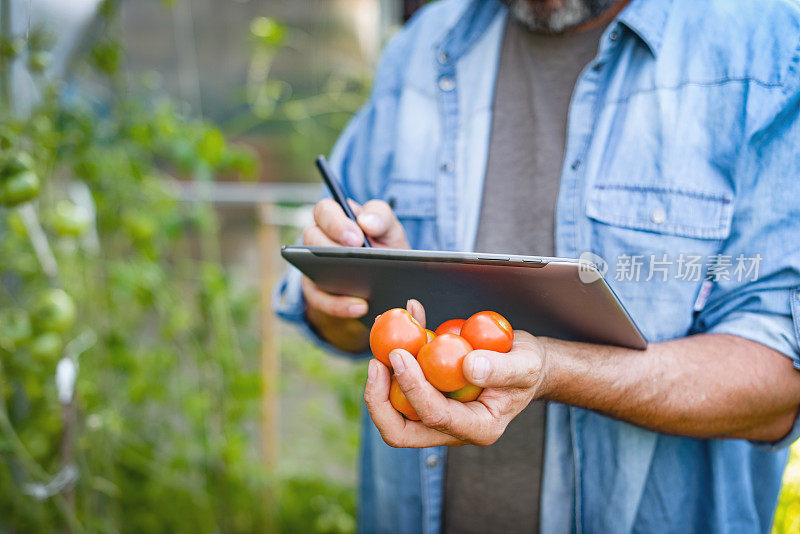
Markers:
point(544, 299)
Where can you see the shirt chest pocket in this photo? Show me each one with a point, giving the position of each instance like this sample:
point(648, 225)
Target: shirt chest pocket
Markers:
point(662, 210)
point(414, 204)
point(658, 241)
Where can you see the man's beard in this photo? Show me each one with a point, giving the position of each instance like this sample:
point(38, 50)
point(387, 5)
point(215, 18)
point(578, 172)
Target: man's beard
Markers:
point(549, 16)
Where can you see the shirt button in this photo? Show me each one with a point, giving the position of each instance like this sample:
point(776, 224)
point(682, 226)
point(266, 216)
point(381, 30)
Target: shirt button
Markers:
point(446, 83)
point(597, 66)
point(446, 166)
point(613, 36)
point(432, 460)
point(658, 216)
point(443, 57)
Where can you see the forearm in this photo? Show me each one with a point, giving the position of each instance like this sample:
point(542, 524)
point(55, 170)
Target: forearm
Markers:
point(706, 386)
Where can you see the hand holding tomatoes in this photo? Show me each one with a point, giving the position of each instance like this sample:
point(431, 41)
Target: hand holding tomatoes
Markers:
point(440, 354)
point(497, 386)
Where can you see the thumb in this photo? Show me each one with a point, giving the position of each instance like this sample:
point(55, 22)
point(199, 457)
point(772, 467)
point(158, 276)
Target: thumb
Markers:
point(414, 307)
point(489, 369)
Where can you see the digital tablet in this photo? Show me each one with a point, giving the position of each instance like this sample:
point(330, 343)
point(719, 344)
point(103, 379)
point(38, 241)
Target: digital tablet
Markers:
point(555, 297)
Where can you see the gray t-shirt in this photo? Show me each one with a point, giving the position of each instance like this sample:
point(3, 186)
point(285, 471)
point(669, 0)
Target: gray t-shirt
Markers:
point(496, 488)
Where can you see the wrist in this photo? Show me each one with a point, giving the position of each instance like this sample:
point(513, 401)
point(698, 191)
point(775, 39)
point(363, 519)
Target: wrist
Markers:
point(346, 334)
point(553, 356)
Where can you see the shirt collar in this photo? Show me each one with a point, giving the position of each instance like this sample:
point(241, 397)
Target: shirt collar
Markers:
point(470, 27)
point(647, 19)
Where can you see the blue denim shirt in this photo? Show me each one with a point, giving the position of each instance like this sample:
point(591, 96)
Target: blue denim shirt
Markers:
point(682, 142)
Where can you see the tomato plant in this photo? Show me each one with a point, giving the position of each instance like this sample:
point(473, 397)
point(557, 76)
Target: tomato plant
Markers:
point(395, 329)
point(488, 330)
point(441, 361)
point(109, 282)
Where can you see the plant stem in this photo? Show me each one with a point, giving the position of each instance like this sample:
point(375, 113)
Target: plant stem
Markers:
point(33, 468)
point(5, 64)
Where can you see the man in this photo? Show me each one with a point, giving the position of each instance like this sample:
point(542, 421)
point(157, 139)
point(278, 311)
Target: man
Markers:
point(678, 151)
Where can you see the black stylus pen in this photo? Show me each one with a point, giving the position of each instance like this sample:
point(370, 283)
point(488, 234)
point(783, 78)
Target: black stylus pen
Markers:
point(335, 187)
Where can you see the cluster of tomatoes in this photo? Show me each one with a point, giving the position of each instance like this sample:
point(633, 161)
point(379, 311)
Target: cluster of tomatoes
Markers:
point(18, 182)
point(440, 353)
point(42, 330)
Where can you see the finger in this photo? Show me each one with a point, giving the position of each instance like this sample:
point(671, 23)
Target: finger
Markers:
point(396, 430)
point(519, 368)
point(330, 218)
point(415, 308)
point(314, 236)
point(471, 422)
point(379, 221)
point(332, 304)
point(355, 206)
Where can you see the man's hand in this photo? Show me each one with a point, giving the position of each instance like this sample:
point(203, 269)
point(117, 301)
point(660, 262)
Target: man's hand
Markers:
point(511, 381)
point(335, 317)
point(702, 386)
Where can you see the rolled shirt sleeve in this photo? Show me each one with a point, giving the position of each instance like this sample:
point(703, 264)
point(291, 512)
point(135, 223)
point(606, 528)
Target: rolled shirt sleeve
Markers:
point(764, 306)
point(777, 332)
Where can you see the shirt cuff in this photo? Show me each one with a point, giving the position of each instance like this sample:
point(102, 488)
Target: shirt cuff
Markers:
point(770, 329)
point(290, 305)
point(777, 332)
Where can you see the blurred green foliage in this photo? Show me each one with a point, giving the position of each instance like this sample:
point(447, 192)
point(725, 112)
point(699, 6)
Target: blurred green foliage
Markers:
point(162, 434)
point(787, 515)
point(297, 120)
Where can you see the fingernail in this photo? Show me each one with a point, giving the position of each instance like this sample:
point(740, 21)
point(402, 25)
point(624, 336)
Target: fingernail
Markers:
point(370, 221)
point(372, 371)
point(480, 368)
point(357, 310)
point(397, 362)
point(350, 238)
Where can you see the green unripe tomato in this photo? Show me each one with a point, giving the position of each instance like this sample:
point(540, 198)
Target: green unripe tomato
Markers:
point(16, 224)
point(54, 311)
point(140, 226)
point(15, 325)
point(71, 219)
point(46, 347)
point(39, 61)
point(8, 137)
point(11, 47)
point(19, 188)
point(16, 163)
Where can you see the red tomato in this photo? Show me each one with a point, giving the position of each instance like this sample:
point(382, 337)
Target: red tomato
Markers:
point(470, 392)
point(431, 334)
point(400, 402)
point(395, 329)
point(488, 330)
point(441, 361)
point(453, 326)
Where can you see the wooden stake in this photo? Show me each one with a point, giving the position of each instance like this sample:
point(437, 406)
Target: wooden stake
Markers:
point(268, 245)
